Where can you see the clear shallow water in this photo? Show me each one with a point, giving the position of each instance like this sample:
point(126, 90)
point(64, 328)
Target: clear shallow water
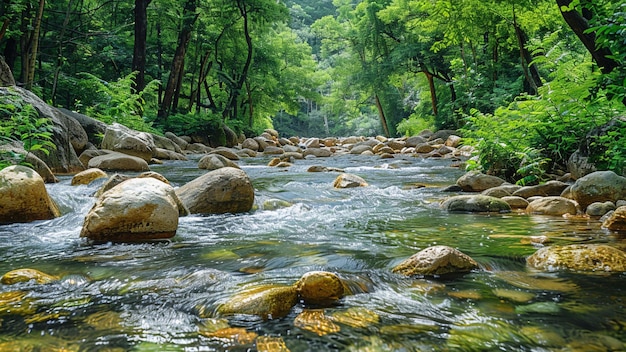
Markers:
point(159, 296)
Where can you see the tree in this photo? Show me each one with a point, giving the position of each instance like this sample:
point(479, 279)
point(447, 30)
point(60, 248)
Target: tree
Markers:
point(139, 52)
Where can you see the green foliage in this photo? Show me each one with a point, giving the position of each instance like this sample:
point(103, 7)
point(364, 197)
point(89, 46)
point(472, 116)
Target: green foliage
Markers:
point(119, 102)
point(415, 124)
point(611, 34)
point(20, 122)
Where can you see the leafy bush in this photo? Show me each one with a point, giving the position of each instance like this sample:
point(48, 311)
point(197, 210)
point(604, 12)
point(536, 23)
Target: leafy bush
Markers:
point(21, 122)
point(414, 125)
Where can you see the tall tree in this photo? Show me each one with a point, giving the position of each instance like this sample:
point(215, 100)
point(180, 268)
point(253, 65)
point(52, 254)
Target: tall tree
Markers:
point(139, 48)
point(172, 90)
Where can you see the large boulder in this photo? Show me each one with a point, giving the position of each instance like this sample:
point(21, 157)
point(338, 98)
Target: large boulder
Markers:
point(550, 188)
point(266, 302)
point(122, 139)
point(475, 181)
point(552, 206)
point(181, 143)
point(166, 143)
point(599, 186)
point(436, 260)
point(225, 190)
point(16, 148)
point(476, 203)
point(6, 76)
point(94, 129)
point(23, 196)
point(215, 161)
point(118, 162)
point(579, 165)
point(616, 221)
point(138, 209)
point(579, 257)
point(63, 159)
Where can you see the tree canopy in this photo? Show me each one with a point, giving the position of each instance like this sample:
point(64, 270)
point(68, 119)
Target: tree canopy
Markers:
point(543, 73)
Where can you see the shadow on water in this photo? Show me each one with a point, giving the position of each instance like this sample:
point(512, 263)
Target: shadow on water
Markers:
point(164, 295)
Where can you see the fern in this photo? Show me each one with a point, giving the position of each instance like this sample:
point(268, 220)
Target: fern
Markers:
point(21, 122)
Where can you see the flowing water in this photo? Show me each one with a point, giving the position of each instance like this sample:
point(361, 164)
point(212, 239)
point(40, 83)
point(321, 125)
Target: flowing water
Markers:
point(162, 295)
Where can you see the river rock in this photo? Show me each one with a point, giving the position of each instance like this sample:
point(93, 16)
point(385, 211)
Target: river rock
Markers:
point(267, 302)
point(414, 141)
point(137, 209)
point(600, 208)
point(215, 161)
point(550, 188)
point(114, 161)
point(25, 275)
point(23, 196)
point(226, 190)
point(599, 186)
point(181, 143)
point(321, 168)
point(65, 132)
point(475, 181)
point(476, 203)
point(424, 148)
point(436, 260)
point(452, 141)
point(320, 288)
point(516, 202)
point(579, 257)
point(271, 150)
point(166, 154)
point(349, 181)
point(88, 176)
point(166, 143)
point(17, 148)
point(552, 206)
point(122, 139)
point(225, 152)
point(317, 152)
point(361, 148)
point(316, 321)
point(616, 221)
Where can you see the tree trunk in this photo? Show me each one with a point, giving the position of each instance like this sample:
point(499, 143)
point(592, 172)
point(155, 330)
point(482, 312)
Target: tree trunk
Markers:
point(34, 47)
point(179, 60)
point(579, 25)
point(530, 70)
point(433, 93)
point(59, 63)
point(381, 113)
point(231, 106)
point(139, 49)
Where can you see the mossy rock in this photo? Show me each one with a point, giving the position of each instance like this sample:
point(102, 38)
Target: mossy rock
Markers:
point(267, 302)
point(476, 204)
point(579, 257)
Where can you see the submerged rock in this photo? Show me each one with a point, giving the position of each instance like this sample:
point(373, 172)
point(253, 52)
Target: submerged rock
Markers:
point(320, 287)
point(436, 260)
point(267, 302)
point(25, 275)
point(579, 257)
point(316, 321)
point(137, 209)
point(23, 196)
point(226, 190)
point(476, 203)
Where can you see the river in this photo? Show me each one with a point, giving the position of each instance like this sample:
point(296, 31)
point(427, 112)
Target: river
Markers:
point(162, 295)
